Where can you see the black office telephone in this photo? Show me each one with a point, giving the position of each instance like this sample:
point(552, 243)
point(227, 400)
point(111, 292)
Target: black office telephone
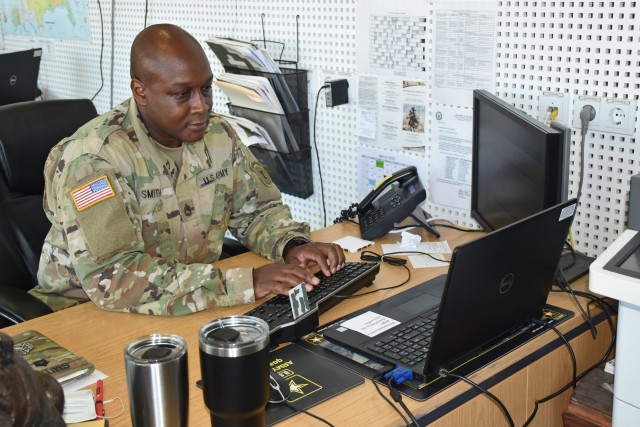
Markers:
point(392, 200)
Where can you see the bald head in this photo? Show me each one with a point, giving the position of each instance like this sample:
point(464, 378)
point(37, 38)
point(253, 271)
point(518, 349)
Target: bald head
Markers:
point(171, 84)
point(158, 44)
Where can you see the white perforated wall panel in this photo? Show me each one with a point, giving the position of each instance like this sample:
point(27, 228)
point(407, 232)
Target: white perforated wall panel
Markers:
point(574, 47)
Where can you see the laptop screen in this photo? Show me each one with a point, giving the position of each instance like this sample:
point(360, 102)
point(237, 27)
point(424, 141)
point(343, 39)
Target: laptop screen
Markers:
point(499, 281)
point(19, 75)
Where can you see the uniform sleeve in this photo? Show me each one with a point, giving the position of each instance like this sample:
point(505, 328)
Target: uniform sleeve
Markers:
point(260, 220)
point(107, 250)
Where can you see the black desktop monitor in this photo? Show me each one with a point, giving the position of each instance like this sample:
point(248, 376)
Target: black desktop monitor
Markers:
point(19, 76)
point(520, 165)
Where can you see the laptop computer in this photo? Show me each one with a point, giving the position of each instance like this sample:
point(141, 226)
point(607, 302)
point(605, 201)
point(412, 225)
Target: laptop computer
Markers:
point(495, 285)
point(19, 75)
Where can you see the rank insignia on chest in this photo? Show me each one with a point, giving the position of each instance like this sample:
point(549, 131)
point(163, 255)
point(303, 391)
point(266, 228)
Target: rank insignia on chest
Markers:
point(91, 193)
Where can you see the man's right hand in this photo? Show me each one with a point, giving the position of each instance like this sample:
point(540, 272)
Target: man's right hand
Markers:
point(279, 278)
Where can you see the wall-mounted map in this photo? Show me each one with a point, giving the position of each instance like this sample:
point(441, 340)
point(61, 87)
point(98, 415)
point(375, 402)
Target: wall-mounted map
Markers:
point(57, 19)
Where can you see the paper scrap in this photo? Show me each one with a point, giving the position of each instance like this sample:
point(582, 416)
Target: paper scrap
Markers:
point(410, 241)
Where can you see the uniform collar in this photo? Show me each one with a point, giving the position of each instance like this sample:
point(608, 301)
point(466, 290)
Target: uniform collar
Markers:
point(190, 162)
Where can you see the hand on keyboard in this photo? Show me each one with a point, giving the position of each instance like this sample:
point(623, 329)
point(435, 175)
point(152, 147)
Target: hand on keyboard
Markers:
point(279, 278)
point(277, 310)
point(328, 256)
point(299, 258)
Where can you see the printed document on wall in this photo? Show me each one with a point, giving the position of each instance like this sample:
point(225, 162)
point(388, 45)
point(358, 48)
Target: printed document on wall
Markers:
point(392, 111)
point(391, 37)
point(464, 50)
point(450, 163)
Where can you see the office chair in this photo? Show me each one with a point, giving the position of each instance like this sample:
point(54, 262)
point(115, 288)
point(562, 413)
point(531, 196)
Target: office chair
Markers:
point(28, 131)
point(16, 305)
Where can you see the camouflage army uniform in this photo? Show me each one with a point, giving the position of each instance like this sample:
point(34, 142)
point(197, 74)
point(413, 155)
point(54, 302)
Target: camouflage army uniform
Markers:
point(132, 233)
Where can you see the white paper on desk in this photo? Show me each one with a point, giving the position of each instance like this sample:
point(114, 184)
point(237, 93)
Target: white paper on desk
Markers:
point(353, 244)
point(84, 382)
point(426, 247)
point(425, 261)
point(370, 324)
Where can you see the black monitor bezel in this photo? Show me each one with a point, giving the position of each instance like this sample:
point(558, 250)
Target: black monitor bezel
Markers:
point(555, 190)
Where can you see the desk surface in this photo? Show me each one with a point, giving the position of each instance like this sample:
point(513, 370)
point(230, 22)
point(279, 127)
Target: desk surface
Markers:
point(101, 337)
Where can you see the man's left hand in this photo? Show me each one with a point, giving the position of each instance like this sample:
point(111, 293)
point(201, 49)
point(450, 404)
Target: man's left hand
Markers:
point(328, 256)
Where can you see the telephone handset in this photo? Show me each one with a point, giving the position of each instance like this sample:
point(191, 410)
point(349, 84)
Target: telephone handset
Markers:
point(392, 200)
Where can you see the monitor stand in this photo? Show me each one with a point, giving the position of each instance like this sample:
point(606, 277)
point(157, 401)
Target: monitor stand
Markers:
point(420, 215)
point(577, 270)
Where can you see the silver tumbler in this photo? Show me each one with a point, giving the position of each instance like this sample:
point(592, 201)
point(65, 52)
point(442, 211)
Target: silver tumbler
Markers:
point(234, 359)
point(157, 380)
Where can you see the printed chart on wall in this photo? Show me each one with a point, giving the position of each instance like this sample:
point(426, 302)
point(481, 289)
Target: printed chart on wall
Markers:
point(391, 38)
point(374, 164)
point(464, 45)
point(451, 157)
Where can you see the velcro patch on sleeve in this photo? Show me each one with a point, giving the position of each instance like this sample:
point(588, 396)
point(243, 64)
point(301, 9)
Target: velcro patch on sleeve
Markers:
point(91, 193)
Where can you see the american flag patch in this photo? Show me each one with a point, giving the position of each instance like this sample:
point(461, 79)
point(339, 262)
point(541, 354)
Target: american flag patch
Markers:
point(91, 193)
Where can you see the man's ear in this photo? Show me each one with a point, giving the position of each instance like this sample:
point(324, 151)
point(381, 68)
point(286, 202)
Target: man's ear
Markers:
point(138, 89)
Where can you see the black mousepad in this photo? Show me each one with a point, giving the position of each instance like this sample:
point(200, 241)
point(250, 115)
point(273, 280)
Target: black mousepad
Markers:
point(312, 379)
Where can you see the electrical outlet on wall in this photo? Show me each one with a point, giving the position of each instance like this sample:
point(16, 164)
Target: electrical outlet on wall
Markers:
point(613, 115)
point(554, 106)
point(580, 102)
point(618, 115)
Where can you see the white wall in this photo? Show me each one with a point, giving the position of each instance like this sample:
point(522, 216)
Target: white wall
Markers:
point(574, 47)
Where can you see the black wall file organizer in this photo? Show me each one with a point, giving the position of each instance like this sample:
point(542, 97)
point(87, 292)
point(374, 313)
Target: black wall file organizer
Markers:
point(289, 168)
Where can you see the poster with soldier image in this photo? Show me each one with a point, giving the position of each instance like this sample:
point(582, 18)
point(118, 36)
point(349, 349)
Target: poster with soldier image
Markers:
point(413, 118)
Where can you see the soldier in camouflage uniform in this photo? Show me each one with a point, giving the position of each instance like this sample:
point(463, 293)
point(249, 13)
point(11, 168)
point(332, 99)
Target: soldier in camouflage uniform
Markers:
point(140, 199)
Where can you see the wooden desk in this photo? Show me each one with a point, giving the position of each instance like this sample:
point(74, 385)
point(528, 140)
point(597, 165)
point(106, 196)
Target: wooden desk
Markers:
point(530, 372)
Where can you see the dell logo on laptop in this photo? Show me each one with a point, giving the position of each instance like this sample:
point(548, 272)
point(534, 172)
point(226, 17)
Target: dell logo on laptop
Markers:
point(506, 283)
point(13, 80)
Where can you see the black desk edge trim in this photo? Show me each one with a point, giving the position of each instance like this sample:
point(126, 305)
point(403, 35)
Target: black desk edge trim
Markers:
point(505, 373)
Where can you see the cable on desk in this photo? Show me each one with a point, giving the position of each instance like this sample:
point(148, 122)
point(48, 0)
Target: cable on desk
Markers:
point(604, 358)
point(367, 255)
point(395, 408)
point(566, 343)
point(304, 411)
point(445, 373)
point(372, 256)
point(564, 284)
point(397, 397)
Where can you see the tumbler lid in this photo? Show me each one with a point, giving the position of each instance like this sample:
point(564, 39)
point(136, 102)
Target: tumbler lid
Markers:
point(234, 336)
point(155, 348)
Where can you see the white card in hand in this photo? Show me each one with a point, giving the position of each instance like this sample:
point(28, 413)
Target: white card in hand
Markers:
point(299, 300)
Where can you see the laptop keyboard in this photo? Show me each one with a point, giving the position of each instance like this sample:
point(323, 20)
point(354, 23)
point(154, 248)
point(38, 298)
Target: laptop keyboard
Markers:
point(346, 281)
point(408, 344)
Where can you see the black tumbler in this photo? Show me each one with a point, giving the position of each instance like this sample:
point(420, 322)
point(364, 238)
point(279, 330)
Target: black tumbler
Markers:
point(234, 359)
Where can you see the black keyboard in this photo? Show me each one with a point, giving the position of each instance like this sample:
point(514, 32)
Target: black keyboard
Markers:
point(409, 343)
point(277, 311)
